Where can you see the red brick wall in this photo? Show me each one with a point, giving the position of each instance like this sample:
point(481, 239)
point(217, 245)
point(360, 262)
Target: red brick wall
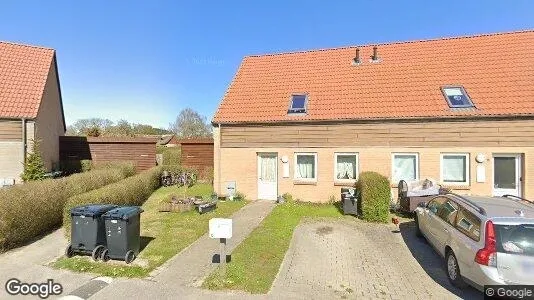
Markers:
point(141, 151)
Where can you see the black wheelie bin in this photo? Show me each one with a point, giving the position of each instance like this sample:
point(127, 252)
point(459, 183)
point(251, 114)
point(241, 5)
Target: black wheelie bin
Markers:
point(87, 233)
point(122, 233)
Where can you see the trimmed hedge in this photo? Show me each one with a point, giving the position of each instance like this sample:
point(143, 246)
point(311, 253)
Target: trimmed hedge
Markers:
point(375, 194)
point(133, 191)
point(34, 208)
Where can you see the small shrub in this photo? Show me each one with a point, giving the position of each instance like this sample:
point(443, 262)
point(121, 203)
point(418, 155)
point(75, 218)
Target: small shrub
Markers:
point(34, 208)
point(331, 199)
point(374, 190)
point(240, 196)
point(86, 165)
point(133, 191)
point(171, 155)
point(287, 197)
point(206, 175)
point(34, 168)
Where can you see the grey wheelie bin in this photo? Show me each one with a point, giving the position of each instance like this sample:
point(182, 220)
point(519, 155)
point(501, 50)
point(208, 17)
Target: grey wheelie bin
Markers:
point(122, 233)
point(87, 233)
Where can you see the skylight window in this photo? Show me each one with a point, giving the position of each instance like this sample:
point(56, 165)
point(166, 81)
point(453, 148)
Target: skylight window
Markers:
point(298, 104)
point(456, 97)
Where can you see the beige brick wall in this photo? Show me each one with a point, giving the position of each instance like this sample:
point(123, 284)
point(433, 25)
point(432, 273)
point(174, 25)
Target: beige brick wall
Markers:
point(49, 122)
point(240, 165)
point(11, 160)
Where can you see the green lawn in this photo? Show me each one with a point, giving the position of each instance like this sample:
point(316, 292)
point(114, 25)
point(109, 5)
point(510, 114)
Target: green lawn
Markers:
point(255, 262)
point(166, 233)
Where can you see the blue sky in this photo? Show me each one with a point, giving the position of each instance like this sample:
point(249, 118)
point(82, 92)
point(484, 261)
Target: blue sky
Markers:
point(146, 60)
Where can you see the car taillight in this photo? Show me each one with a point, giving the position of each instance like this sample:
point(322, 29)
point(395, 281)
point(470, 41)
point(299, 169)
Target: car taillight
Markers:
point(488, 255)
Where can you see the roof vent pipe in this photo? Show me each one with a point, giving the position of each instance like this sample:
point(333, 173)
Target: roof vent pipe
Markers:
point(356, 60)
point(375, 54)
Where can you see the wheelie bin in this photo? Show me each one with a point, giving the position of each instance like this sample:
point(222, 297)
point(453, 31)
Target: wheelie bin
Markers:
point(122, 233)
point(87, 230)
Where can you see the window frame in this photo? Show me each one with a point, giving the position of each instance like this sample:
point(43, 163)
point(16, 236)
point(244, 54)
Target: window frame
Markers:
point(462, 230)
point(455, 210)
point(355, 154)
point(291, 110)
point(467, 168)
point(315, 170)
point(416, 154)
point(464, 93)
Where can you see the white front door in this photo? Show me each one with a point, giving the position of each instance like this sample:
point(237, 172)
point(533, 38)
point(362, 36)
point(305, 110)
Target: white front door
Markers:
point(506, 174)
point(267, 176)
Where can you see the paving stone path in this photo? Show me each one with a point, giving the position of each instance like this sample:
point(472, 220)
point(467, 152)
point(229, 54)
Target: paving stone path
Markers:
point(357, 260)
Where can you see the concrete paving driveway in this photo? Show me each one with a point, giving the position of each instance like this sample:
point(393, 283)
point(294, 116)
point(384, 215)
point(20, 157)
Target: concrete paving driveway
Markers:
point(347, 260)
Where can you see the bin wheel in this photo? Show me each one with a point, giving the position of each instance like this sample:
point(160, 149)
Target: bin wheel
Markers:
point(104, 256)
point(97, 252)
point(69, 252)
point(129, 257)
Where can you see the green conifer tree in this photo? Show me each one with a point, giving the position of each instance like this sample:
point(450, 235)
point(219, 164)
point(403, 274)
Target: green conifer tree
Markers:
point(34, 168)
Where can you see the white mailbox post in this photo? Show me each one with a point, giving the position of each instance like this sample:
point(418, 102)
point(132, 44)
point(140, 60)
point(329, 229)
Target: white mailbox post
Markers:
point(221, 229)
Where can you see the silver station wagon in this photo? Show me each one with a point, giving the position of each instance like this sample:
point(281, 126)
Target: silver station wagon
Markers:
point(484, 240)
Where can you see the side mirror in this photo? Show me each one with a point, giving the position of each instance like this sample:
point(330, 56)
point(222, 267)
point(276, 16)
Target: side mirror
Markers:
point(421, 204)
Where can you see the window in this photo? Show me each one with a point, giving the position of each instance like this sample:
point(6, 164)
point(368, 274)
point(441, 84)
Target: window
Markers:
point(345, 166)
point(515, 239)
point(405, 167)
point(448, 211)
point(456, 97)
point(468, 224)
point(297, 104)
point(306, 166)
point(455, 168)
point(435, 204)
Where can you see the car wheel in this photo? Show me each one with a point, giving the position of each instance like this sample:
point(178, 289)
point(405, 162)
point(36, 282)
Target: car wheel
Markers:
point(453, 270)
point(418, 232)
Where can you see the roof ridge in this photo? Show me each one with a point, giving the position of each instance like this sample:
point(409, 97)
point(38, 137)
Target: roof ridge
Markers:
point(395, 43)
point(27, 45)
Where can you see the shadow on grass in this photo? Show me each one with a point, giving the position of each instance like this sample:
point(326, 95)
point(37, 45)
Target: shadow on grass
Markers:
point(145, 240)
point(431, 262)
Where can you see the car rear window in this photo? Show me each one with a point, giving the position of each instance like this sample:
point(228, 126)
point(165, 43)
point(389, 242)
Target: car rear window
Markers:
point(515, 239)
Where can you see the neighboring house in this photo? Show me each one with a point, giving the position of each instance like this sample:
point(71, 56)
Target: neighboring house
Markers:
point(168, 140)
point(459, 110)
point(30, 107)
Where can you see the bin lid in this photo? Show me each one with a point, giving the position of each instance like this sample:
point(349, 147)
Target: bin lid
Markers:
point(92, 210)
point(123, 213)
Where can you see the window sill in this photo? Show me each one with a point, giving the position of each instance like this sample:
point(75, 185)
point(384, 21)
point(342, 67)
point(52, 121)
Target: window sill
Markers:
point(345, 183)
point(300, 182)
point(456, 187)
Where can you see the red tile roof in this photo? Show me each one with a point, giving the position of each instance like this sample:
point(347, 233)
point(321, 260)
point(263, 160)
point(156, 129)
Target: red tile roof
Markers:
point(496, 70)
point(23, 73)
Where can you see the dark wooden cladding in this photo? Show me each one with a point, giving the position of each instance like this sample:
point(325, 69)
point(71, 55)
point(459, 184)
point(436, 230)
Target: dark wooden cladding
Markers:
point(141, 151)
point(10, 131)
point(197, 155)
point(430, 134)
